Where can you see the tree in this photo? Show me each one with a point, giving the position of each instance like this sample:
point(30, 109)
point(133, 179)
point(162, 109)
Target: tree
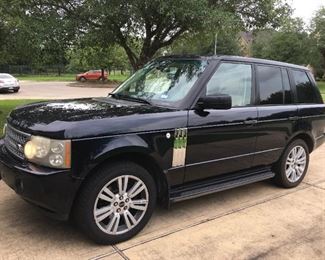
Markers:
point(203, 42)
point(318, 33)
point(291, 43)
point(34, 38)
point(97, 57)
point(142, 27)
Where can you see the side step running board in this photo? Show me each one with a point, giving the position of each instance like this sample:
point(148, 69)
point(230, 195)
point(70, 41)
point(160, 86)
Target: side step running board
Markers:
point(218, 184)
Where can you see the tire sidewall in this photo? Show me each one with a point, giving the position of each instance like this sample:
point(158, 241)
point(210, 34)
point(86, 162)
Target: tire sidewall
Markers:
point(282, 171)
point(92, 189)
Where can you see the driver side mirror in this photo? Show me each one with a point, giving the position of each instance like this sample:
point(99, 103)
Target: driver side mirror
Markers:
point(214, 102)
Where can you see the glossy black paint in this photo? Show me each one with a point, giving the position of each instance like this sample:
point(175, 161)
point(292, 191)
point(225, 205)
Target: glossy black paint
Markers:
point(216, 138)
point(220, 142)
point(83, 118)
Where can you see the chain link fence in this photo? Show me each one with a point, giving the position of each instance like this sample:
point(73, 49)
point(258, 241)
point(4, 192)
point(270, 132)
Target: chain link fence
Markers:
point(52, 70)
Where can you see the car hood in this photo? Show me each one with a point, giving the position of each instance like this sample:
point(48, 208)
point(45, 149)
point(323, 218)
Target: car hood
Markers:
point(6, 80)
point(79, 118)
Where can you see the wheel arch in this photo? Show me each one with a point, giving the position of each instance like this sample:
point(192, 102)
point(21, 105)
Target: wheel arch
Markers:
point(137, 155)
point(306, 137)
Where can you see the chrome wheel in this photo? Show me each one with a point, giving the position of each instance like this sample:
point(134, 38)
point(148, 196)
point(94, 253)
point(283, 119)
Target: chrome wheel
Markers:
point(121, 204)
point(296, 163)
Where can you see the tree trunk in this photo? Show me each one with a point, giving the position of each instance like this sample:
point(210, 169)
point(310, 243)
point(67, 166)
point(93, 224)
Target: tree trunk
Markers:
point(103, 75)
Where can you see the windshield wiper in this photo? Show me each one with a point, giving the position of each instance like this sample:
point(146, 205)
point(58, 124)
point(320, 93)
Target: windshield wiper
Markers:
point(130, 98)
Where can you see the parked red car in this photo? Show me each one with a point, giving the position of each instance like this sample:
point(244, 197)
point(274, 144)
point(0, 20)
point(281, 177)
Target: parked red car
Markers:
point(92, 75)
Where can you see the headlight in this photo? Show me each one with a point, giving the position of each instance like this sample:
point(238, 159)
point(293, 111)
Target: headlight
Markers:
point(48, 152)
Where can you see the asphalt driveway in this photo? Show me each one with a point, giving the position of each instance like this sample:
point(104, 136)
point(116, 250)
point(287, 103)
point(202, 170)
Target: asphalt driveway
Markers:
point(55, 90)
point(259, 221)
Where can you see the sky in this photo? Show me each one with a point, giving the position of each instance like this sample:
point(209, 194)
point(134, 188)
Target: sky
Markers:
point(306, 8)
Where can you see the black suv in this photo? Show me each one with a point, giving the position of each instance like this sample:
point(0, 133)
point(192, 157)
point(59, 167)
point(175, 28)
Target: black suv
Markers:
point(179, 128)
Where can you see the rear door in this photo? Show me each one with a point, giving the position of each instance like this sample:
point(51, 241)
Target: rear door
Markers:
point(311, 109)
point(277, 113)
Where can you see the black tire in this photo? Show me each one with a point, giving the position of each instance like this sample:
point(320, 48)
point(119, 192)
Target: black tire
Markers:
point(83, 79)
point(87, 199)
point(281, 177)
point(16, 90)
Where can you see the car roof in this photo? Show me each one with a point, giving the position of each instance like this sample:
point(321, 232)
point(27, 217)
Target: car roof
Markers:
point(236, 58)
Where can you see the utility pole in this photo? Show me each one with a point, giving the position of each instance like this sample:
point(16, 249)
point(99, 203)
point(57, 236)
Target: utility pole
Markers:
point(215, 43)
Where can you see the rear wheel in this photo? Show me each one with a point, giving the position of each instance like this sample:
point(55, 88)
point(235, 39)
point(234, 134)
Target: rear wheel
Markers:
point(116, 203)
point(293, 165)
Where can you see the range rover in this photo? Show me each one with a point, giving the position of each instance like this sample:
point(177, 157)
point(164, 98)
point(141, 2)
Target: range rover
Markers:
point(181, 127)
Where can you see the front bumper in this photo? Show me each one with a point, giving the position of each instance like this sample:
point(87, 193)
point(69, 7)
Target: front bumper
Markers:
point(13, 88)
point(51, 190)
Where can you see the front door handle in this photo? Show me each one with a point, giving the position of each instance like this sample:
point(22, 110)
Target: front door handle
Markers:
point(250, 122)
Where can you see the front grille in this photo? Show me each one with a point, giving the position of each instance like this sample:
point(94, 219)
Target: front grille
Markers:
point(15, 141)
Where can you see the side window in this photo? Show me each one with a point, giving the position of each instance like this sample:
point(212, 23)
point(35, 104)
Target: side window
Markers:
point(234, 80)
point(305, 92)
point(287, 88)
point(270, 85)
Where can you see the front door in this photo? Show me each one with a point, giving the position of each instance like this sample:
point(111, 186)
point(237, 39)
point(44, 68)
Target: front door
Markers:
point(223, 141)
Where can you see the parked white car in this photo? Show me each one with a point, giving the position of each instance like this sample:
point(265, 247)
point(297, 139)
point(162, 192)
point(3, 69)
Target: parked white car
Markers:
point(8, 83)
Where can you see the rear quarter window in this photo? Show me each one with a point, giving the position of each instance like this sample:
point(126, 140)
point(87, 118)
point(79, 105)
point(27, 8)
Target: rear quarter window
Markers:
point(306, 92)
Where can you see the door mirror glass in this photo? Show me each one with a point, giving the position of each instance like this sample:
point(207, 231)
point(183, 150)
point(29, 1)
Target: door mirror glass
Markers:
point(214, 102)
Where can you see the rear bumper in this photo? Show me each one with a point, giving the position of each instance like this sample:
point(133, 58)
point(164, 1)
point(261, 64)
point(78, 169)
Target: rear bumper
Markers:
point(53, 191)
point(319, 141)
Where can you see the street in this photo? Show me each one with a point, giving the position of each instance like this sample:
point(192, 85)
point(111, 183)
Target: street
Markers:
point(256, 221)
point(54, 90)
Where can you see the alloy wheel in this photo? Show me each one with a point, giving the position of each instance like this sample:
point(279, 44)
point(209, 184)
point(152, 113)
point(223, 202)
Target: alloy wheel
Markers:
point(121, 204)
point(296, 163)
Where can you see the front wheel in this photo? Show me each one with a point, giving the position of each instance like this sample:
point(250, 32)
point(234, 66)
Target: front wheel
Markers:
point(293, 165)
point(116, 203)
point(83, 79)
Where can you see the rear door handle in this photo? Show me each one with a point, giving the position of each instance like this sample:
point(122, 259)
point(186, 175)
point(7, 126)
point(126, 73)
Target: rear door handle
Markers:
point(250, 122)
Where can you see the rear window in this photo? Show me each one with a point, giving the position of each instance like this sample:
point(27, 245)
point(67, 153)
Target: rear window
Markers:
point(305, 90)
point(270, 85)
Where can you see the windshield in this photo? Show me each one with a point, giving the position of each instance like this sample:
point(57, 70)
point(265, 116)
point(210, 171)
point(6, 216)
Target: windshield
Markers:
point(162, 82)
point(5, 76)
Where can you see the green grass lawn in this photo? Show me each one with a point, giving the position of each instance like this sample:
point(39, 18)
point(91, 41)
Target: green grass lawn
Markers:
point(6, 106)
point(63, 77)
point(117, 76)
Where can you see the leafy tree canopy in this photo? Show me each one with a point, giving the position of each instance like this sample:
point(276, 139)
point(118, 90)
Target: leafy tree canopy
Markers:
point(142, 27)
point(318, 33)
